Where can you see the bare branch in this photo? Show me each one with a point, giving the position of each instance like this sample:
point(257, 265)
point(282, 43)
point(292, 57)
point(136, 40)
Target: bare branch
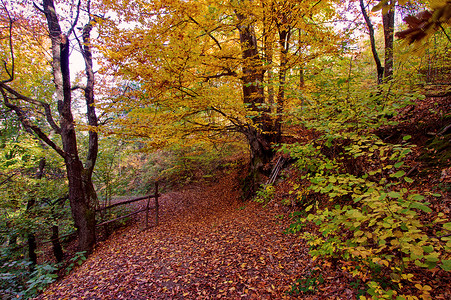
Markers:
point(77, 87)
point(186, 91)
point(38, 8)
point(29, 125)
point(46, 106)
point(11, 48)
point(444, 31)
point(207, 32)
point(7, 179)
point(227, 72)
point(76, 19)
point(235, 121)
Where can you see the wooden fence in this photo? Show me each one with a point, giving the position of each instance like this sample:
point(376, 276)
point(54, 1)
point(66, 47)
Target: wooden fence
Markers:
point(146, 209)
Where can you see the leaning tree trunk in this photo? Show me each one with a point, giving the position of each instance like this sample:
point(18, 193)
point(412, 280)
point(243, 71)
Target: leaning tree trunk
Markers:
point(379, 67)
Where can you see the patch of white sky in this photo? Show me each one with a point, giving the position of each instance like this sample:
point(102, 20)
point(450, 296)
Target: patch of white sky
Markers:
point(77, 62)
point(353, 19)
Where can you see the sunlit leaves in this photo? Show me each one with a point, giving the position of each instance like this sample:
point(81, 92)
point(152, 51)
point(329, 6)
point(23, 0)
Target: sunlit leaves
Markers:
point(187, 59)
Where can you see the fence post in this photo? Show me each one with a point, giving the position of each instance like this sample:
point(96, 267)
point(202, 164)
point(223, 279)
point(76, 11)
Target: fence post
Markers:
point(106, 227)
point(156, 203)
point(147, 212)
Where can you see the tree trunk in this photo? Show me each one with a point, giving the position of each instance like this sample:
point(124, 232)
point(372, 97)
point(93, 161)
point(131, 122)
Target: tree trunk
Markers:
point(259, 134)
point(261, 153)
point(388, 21)
point(82, 195)
point(284, 39)
point(301, 67)
point(268, 48)
point(82, 198)
point(56, 245)
point(32, 256)
point(32, 246)
point(379, 68)
point(301, 77)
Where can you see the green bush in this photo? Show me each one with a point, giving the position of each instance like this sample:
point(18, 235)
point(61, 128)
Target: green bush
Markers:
point(371, 220)
point(356, 195)
point(19, 281)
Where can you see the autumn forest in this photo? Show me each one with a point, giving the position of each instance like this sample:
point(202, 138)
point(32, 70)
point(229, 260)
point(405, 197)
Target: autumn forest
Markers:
point(235, 149)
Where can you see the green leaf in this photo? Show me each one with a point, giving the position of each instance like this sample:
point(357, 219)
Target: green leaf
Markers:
point(446, 265)
point(398, 174)
point(417, 197)
point(420, 206)
point(428, 249)
point(447, 226)
point(406, 137)
point(394, 194)
point(433, 257)
point(431, 264)
point(408, 180)
point(404, 226)
point(420, 264)
point(398, 164)
point(355, 213)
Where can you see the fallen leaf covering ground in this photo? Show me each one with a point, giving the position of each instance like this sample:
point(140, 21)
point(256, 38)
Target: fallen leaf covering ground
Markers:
point(209, 245)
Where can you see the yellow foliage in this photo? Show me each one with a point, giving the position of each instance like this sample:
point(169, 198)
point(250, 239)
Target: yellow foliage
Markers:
point(183, 67)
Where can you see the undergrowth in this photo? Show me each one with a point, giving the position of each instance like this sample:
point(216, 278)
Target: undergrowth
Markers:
point(366, 212)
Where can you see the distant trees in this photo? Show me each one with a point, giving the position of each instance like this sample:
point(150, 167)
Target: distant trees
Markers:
point(421, 26)
point(388, 20)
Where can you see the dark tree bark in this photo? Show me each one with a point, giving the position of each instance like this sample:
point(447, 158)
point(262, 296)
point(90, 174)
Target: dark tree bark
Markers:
point(259, 134)
point(82, 195)
point(268, 45)
point(32, 245)
point(56, 245)
point(379, 68)
point(388, 21)
point(284, 40)
point(301, 67)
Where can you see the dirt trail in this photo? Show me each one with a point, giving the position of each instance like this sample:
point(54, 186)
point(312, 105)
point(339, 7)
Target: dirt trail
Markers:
point(209, 245)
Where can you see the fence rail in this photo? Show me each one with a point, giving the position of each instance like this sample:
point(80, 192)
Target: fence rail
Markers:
point(125, 202)
point(146, 209)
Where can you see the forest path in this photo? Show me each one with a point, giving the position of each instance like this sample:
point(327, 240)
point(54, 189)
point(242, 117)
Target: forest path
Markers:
point(209, 245)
